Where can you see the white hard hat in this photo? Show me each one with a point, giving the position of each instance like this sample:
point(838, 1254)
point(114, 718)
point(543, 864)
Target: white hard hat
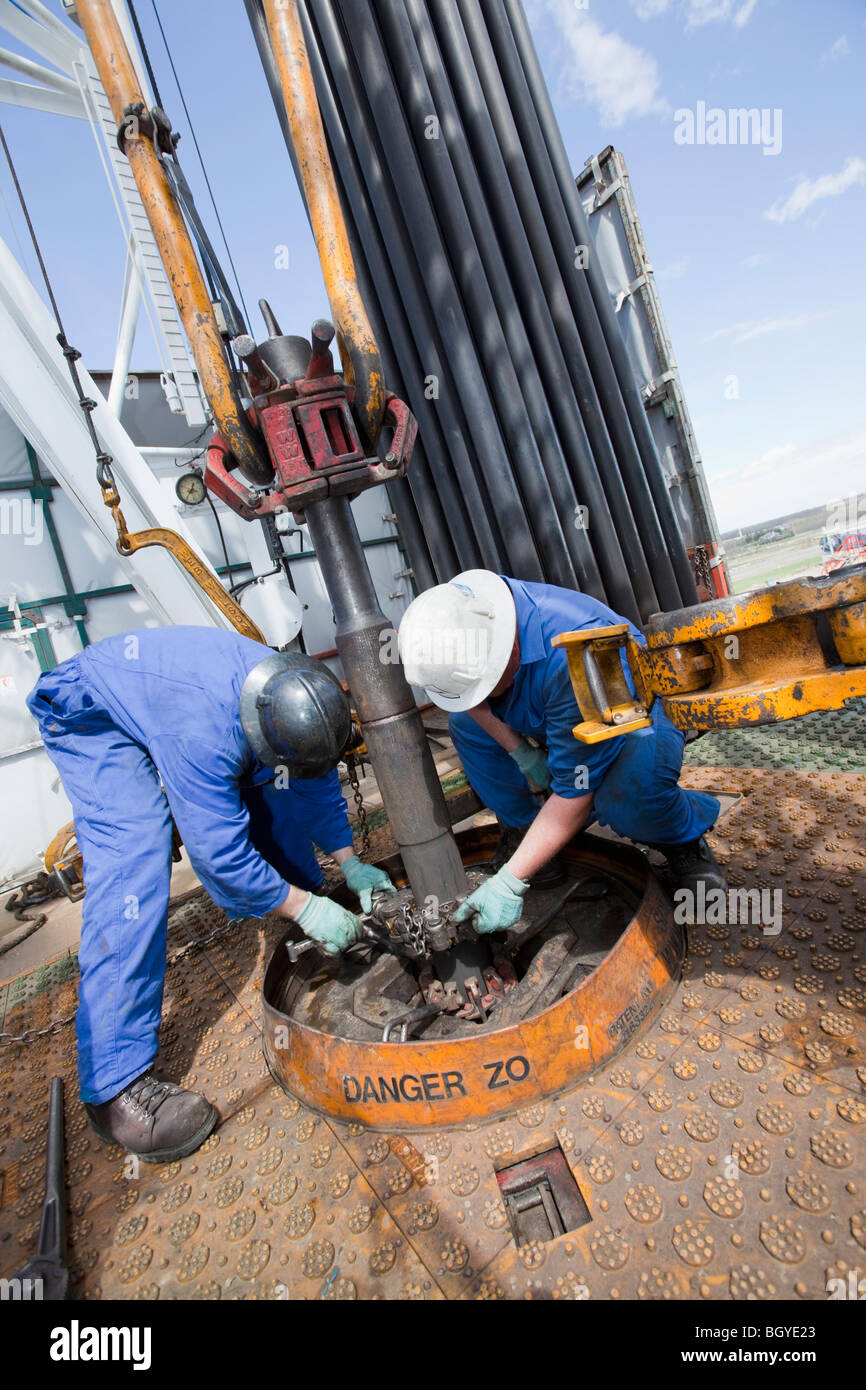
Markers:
point(455, 639)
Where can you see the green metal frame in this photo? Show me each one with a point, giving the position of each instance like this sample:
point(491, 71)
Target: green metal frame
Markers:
point(74, 601)
point(42, 490)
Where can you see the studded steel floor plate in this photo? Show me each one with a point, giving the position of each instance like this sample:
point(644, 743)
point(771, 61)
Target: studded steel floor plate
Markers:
point(718, 1158)
point(829, 740)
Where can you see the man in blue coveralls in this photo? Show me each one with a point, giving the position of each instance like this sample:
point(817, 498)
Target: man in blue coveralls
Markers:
point(481, 648)
point(189, 723)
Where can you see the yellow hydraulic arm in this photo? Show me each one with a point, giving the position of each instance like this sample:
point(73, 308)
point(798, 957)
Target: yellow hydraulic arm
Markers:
point(144, 138)
point(357, 344)
point(138, 134)
point(756, 658)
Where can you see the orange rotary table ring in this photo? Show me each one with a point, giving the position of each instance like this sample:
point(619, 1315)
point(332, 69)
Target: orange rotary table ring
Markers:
point(451, 1081)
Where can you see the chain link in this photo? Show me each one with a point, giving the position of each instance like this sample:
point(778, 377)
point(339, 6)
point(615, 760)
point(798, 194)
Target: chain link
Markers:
point(414, 930)
point(191, 947)
point(352, 765)
point(9, 1039)
point(188, 949)
point(702, 566)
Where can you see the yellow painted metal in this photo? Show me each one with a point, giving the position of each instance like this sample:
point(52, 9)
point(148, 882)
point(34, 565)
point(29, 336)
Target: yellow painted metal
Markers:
point(757, 658)
point(357, 344)
point(598, 679)
point(128, 543)
point(176, 250)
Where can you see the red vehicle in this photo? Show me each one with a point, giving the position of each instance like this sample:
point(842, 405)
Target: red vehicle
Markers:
point(843, 548)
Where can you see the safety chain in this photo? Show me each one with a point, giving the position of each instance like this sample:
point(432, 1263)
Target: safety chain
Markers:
point(702, 566)
point(9, 1039)
point(412, 928)
point(352, 765)
point(189, 949)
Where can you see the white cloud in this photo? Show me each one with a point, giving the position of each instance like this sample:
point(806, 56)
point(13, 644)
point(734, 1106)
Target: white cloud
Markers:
point(789, 478)
point(809, 191)
point(812, 223)
point(760, 328)
point(648, 9)
point(768, 462)
point(758, 259)
point(840, 49)
point(699, 12)
point(601, 67)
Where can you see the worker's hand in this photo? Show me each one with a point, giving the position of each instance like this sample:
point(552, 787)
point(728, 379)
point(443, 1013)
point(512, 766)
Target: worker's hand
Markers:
point(326, 922)
point(498, 902)
point(533, 764)
point(365, 880)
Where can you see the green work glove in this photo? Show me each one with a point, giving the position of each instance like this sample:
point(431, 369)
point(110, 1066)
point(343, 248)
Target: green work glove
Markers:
point(326, 922)
point(533, 764)
point(498, 902)
point(365, 880)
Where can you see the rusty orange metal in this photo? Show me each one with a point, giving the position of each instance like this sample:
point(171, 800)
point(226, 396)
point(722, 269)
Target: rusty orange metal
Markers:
point(118, 77)
point(129, 542)
point(756, 658)
point(416, 1085)
point(357, 342)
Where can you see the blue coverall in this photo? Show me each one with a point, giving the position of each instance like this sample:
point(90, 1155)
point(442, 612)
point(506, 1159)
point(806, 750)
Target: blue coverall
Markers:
point(127, 712)
point(635, 778)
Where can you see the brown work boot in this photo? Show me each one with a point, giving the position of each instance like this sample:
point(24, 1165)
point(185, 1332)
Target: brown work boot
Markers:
point(155, 1120)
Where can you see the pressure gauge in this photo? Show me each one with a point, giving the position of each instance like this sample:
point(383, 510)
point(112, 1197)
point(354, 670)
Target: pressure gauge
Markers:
point(190, 489)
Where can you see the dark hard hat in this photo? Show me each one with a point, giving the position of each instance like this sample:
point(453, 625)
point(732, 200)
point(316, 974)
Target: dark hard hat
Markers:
point(295, 715)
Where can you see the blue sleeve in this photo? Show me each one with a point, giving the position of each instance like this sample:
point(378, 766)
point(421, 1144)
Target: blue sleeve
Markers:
point(201, 783)
point(575, 768)
point(319, 801)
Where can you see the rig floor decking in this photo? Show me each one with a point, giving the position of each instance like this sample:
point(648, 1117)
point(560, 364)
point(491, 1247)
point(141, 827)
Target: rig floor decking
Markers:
point(718, 1157)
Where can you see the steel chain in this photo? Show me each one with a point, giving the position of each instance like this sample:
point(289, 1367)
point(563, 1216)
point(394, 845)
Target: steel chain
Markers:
point(702, 566)
point(33, 1033)
point(188, 949)
point(413, 930)
point(351, 764)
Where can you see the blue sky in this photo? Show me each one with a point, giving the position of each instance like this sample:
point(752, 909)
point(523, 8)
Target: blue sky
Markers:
point(758, 257)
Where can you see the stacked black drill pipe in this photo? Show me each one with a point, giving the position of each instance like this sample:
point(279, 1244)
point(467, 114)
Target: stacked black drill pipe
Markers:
point(465, 222)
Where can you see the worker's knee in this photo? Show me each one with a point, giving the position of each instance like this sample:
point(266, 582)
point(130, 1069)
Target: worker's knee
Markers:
point(636, 812)
point(656, 815)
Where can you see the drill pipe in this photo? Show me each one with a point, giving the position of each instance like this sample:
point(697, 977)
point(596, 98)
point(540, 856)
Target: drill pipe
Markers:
point(393, 732)
point(326, 215)
point(418, 255)
point(502, 340)
point(558, 162)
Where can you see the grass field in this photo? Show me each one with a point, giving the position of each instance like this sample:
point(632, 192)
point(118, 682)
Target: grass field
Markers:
point(751, 566)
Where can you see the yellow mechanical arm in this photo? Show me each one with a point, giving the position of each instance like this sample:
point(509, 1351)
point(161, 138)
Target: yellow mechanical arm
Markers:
point(732, 663)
